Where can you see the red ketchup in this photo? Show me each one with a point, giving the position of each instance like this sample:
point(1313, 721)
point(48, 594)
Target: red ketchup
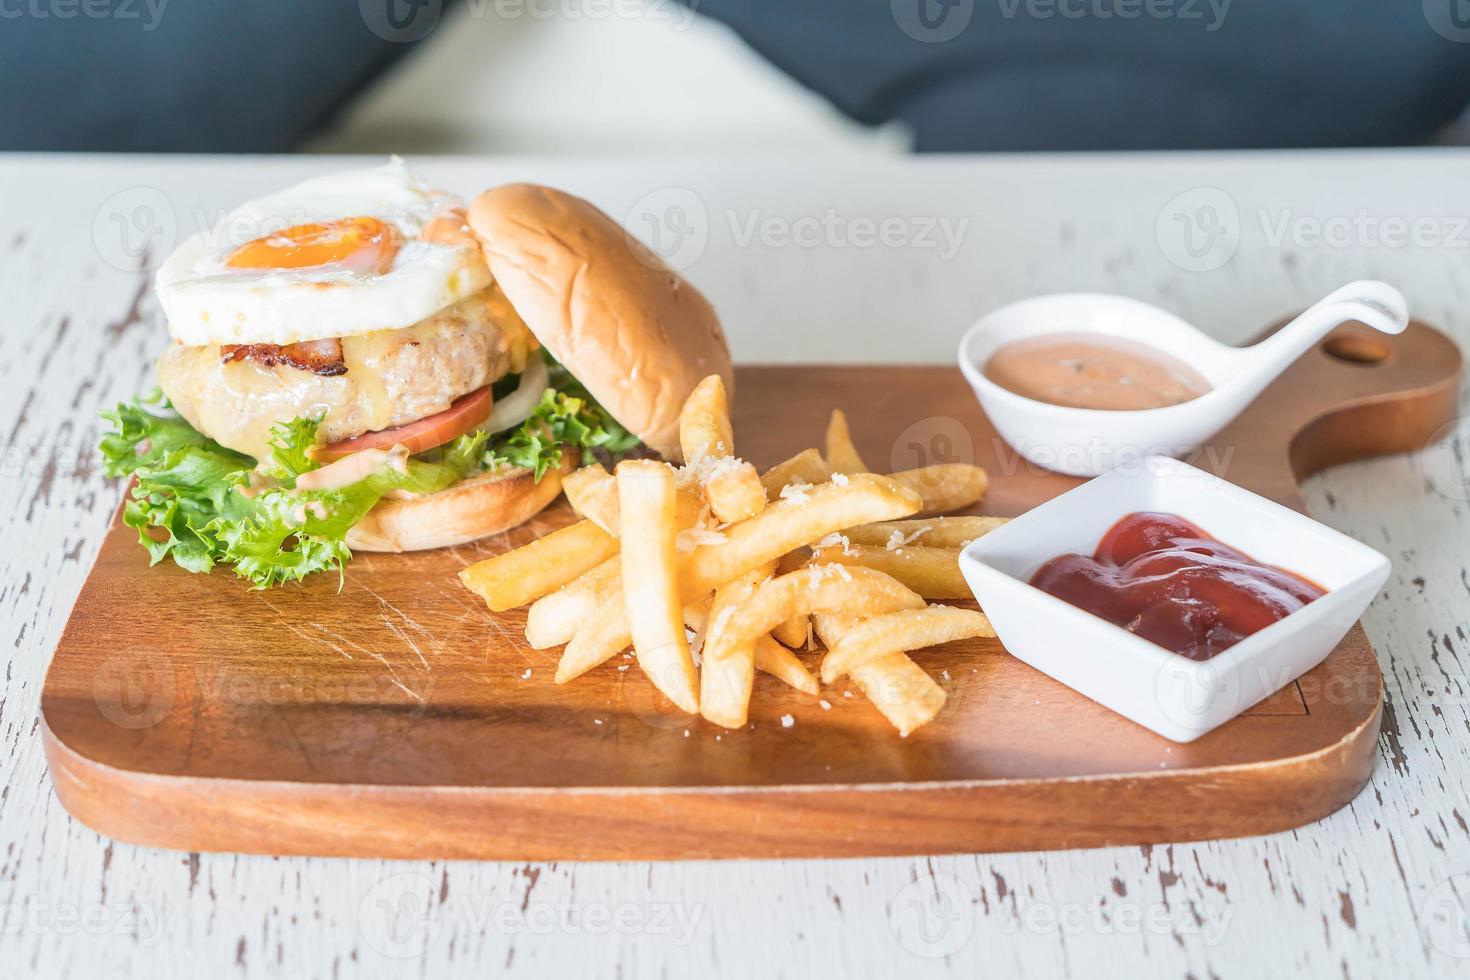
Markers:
point(1159, 576)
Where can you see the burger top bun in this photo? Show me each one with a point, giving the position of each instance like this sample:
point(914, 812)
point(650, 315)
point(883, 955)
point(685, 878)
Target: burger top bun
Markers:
point(628, 327)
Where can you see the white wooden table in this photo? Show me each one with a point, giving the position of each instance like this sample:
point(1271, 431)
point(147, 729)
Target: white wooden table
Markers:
point(788, 254)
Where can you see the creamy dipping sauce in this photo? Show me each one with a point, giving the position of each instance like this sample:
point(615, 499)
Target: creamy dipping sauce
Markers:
point(1084, 370)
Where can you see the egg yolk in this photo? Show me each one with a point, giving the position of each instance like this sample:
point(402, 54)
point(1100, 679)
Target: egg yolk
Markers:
point(366, 245)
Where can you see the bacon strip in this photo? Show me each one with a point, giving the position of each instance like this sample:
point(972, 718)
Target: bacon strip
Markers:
point(323, 357)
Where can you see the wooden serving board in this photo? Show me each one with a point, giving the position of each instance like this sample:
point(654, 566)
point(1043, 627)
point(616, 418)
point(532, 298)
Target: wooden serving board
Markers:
point(397, 718)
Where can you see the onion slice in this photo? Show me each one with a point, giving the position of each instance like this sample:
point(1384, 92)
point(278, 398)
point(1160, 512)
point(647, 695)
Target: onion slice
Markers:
point(517, 406)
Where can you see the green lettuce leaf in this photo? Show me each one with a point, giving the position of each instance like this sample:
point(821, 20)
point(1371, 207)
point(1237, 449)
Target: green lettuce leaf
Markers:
point(567, 417)
point(202, 505)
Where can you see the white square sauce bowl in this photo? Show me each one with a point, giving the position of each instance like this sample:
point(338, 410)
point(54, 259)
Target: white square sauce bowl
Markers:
point(1179, 698)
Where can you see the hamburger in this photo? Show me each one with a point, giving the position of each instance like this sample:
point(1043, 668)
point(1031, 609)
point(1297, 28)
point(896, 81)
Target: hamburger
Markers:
point(359, 362)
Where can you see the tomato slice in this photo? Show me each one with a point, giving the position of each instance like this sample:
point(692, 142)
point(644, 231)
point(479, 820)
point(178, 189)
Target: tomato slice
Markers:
point(466, 412)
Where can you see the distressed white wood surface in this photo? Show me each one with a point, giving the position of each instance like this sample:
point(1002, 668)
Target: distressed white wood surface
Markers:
point(1371, 891)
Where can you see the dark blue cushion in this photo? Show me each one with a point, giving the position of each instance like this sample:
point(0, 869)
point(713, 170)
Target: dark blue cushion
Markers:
point(195, 75)
point(1078, 74)
point(262, 75)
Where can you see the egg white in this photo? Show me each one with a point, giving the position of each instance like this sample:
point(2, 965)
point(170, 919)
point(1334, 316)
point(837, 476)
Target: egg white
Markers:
point(207, 302)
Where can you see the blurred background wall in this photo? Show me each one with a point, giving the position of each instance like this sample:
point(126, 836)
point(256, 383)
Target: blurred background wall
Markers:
point(665, 81)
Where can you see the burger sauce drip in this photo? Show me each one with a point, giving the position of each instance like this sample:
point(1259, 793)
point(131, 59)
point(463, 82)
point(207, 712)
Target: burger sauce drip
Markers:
point(1163, 578)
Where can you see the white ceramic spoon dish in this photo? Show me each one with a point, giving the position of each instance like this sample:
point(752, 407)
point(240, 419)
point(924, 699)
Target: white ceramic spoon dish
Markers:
point(1087, 442)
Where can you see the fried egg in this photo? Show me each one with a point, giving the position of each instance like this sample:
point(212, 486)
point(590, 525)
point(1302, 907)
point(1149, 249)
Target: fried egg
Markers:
point(335, 256)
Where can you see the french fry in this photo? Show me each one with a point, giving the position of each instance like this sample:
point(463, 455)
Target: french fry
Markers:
point(647, 494)
point(831, 627)
point(770, 657)
point(604, 634)
point(931, 532)
point(731, 485)
point(553, 619)
point(539, 568)
point(774, 659)
point(793, 560)
point(934, 573)
point(817, 588)
point(806, 466)
point(704, 422)
point(697, 610)
point(783, 526)
point(593, 493)
point(901, 632)
point(792, 632)
point(793, 522)
point(696, 613)
point(946, 486)
point(647, 559)
point(841, 454)
point(899, 688)
point(734, 490)
point(725, 682)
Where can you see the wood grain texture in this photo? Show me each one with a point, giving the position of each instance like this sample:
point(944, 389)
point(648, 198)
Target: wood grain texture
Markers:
point(394, 717)
point(1352, 895)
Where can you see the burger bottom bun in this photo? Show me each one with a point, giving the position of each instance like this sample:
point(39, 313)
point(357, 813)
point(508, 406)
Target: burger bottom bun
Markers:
point(481, 505)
